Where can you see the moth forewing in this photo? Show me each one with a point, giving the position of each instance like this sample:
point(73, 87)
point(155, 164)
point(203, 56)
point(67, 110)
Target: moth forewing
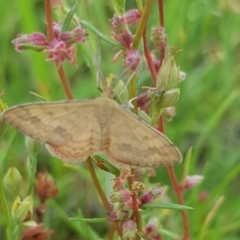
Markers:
point(75, 130)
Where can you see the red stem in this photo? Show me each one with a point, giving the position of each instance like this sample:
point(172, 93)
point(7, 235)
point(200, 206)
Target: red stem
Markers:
point(171, 172)
point(179, 193)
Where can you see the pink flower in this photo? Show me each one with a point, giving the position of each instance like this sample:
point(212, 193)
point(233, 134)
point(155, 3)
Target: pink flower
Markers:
point(60, 49)
point(129, 227)
point(150, 195)
point(35, 41)
point(192, 181)
point(59, 52)
point(77, 35)
point(152, 230)
point(132, 17)
point(121, 196)
point(132, 60)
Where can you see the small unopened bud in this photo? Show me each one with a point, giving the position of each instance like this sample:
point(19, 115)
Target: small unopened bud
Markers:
point(57, 26)
point(121, 32)
point(117, 21)
point(119, 215)
point(192, 181)
point(143, 101)
point(138, 187)
point(119, 181)
point(22, 210)
point(152, 229)
point(141, 173)
point(74, 36)
point(129, 227)
point(168, 75)
point(169, 113)
point(37, 232)
point(121, 196)
point(132, 17)
point(35, 41)
point(13, 181)
point(169, 98)
point(182, 76)
point(46, 188)
point(132, 60)
point(159, 37)
point(149, 196)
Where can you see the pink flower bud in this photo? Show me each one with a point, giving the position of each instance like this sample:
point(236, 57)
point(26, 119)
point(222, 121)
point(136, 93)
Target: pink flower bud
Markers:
point(37, 232)
point(119, 182)
point(159, 37)
point(152, 229)
point(121, 196)
point(70, 37)
point(119, 215)
point(35, 41)
point(129, 227)
point(143, 101)
point(57, 29)
point(141, 173)
point(117, 21)
point(192, 181)
point(149, 196)
point(132, 60)
point(121, 32)
point(132, 17)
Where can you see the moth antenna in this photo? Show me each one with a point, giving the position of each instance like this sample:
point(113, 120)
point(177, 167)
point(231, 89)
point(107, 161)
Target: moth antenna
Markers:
point(96, 62)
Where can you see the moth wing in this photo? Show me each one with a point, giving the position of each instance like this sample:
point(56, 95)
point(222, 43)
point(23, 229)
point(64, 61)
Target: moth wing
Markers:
point(132, 142)
point(69, 129)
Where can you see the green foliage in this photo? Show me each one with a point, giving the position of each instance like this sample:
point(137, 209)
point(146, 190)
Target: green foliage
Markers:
point(207, 114)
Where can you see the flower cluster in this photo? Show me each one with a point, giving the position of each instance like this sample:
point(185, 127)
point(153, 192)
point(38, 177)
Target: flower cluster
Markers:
point(61, 48)
point(125, 202)
point(166, 93)
point(122, 34)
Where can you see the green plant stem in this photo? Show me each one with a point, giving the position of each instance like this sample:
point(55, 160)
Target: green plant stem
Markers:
point(33, 169)
point(100, 191)
point(97, 185)
point(6, 211)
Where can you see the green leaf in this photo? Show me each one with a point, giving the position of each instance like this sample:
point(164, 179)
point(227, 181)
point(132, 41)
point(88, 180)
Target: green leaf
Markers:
point(119, 6)
point(91, 220)
point(166, 206)
point(100, 35)
point(68, 18)
point(109, 166)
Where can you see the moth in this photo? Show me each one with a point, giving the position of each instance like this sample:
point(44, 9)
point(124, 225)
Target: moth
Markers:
point(76, 130)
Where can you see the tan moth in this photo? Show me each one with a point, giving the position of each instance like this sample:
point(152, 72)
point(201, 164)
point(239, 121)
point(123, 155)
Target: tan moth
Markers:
point(75, 130)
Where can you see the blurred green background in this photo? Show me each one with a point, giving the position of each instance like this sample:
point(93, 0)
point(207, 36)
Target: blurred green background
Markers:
point(207, 114)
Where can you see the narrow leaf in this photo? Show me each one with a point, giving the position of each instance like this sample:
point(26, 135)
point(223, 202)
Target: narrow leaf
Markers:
point(68, 18)
point(166, 206)
point(91, 220)
point(99, 34)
